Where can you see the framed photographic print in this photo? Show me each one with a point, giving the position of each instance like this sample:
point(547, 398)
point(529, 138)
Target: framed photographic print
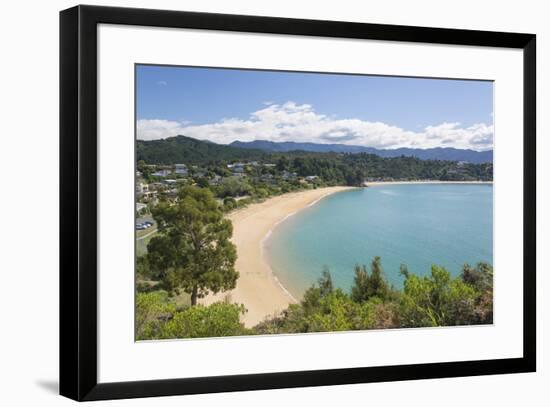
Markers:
point(256, 202)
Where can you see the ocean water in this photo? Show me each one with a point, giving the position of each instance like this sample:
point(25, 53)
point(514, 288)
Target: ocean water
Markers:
point(417, 225)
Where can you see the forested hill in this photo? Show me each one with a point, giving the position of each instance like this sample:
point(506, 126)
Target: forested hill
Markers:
point(181, 149)
point(331, 168)
point(438, 153)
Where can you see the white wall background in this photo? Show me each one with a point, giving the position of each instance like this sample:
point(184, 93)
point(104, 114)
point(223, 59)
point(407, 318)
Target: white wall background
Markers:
point(29, 201)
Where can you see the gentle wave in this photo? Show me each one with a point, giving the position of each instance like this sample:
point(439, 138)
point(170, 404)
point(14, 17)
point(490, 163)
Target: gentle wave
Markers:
point(270, 233)
point(442, 224)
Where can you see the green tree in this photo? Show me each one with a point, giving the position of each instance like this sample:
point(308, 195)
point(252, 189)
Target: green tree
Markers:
point(370, 285)
point(218, 319)
point(261, 193)
point(480, 278)
point(192, 250)
point(282, 163)
point(313, 295)
point(152, 311)
point(335, 313)
point(433, 300)
point(229, 203)
point(437, 300)
point(202, 182)
point(142, 267)
point(360, 288)
point(325, 282)
point(144, 169)
point(233, 186)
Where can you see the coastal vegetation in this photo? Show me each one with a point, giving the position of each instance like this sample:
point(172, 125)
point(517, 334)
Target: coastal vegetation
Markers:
point(238, 177)
point(192, 256)
point(192, 251)
point(437, 299)
point(185, 187)
point(428, 301)
point(183, 149)
point(209, 163)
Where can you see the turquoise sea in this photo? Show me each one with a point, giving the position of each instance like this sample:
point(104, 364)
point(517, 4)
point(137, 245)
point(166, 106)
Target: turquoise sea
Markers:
point(416, 224)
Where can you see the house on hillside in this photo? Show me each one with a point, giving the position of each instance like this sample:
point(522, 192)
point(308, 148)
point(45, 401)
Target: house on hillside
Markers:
point(288, 175)
point(181, 169)
point(236, 168)
point(215, 180)
point(141, 189)
point(162, 173)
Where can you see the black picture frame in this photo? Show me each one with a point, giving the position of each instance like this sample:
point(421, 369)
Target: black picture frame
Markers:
point(78, 201)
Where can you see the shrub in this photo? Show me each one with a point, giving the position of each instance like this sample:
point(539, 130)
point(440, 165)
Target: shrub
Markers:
point(152, 311)
point(219, 319)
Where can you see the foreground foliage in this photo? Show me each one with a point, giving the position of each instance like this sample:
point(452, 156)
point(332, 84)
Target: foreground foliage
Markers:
point(433, 300)
point(436, 299)
point(158, 318)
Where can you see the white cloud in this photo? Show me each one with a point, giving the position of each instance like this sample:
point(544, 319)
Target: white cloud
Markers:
point(162, 83)
point(300, 123)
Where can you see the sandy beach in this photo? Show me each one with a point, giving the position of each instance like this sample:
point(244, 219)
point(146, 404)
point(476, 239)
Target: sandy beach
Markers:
point(257, 287)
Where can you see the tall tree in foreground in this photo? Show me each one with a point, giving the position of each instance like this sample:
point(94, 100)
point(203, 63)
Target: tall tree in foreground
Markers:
point(192, 251)
point(371, 285)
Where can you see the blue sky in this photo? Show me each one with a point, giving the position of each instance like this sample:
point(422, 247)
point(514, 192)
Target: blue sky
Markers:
point(222, 105)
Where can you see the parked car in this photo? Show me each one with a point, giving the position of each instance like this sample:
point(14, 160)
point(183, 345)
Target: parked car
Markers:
point(144, 225)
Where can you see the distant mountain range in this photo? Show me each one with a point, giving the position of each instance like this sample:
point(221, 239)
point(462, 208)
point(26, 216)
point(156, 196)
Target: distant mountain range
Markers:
point(438, 153)
point(182, 149)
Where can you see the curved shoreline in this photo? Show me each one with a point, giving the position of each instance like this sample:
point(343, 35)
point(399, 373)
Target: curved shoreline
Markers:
point(262, 253)
point(258, 288)
point(277, 224)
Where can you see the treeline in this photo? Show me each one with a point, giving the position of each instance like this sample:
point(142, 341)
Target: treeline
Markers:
point(437, 299)
point(187, 150)
point(353, 169)
point(331, 168)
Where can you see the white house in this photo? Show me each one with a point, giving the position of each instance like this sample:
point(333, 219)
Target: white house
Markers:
point(162, 173)
point(181, 169)
point(288, 175)
point(236, 168)
point(141, 188)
